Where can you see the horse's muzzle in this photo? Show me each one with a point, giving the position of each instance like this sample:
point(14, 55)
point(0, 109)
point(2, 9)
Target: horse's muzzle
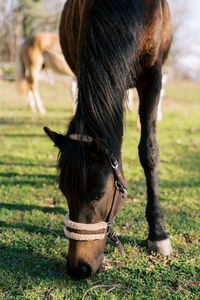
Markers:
point(82, 270)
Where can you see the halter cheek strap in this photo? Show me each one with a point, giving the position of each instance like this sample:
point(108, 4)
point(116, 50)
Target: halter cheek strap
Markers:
point(98, 231)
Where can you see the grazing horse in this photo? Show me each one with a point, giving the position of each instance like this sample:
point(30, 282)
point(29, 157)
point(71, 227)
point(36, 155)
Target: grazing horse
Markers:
point(39, 51)
point(110, 46)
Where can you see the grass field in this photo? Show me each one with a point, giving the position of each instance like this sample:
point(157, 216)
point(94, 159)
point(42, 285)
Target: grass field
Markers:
point(32, 244)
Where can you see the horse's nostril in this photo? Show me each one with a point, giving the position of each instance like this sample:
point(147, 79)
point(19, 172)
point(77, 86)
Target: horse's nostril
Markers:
point(82, 270)
point(86, 270)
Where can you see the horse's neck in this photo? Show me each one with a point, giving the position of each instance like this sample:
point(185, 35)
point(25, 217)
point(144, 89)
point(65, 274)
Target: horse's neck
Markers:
point(100, 98)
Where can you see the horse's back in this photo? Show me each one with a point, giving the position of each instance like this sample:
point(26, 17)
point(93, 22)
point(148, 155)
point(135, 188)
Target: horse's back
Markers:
point(154, 25)
point(43, 40)
point(34, 46)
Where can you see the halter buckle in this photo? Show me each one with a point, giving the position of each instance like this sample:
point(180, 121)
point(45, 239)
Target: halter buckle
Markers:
point(113, 162)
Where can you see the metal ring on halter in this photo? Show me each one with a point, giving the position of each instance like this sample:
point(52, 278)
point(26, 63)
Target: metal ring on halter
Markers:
point(113, 161)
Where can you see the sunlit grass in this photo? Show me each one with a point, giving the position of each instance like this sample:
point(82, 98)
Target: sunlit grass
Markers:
point(32, 243)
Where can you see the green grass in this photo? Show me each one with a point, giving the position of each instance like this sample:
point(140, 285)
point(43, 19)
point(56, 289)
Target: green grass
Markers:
point(32, 244)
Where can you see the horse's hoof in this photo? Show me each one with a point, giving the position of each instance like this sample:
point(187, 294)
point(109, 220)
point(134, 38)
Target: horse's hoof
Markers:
point(163, 247)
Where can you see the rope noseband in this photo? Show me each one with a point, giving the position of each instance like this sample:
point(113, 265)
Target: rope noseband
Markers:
point(98, 231)
point(84, 232)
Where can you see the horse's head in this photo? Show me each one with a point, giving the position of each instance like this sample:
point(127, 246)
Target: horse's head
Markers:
point(89, 184)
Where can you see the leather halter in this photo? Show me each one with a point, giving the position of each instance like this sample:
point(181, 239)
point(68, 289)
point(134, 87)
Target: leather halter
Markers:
point(97, 231)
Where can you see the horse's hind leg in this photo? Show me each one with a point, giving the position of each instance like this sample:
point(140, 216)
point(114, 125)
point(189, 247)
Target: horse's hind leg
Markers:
point(74, 93)
point(28, 79)
point(31, 101)
point(50, 76)
point(159, 114)
point(149, 86)
point(38, 101)
point(162, 94)
point(130, 99)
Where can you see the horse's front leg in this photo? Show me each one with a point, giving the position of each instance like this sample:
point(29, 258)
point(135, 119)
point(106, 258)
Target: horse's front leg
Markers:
point(149, 86)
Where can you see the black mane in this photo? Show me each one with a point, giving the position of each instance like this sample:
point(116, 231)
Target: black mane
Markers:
point(105, 70)
point(107, 67)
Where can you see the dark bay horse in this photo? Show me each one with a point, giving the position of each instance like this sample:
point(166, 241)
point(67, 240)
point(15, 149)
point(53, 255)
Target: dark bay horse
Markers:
point(110, 46)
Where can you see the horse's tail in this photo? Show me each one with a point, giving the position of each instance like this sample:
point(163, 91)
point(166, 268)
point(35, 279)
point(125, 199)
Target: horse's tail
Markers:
point(107, 62)
point(21, 79)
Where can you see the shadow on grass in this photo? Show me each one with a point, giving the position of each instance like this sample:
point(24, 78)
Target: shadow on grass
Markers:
point(31, 228)
point(32, 135)
point(36, 180)
point(24, 207)
point(24, 263)
point(189, 161)
point(133, 241)
point(187, 183)
point(34, 121)
point(141, 244)
point(12, 121)
point(136, 187)
point(9, 160)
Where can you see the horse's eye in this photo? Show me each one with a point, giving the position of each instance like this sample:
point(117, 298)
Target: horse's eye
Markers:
point(99, 196)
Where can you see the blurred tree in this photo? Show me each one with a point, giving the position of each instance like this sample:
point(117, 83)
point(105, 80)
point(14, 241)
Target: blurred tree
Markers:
point(25, 7)
point(21, 18)
point(28, 13)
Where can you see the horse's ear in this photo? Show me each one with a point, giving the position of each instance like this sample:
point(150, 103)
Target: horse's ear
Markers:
point(98, 149)
point(57, 138)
